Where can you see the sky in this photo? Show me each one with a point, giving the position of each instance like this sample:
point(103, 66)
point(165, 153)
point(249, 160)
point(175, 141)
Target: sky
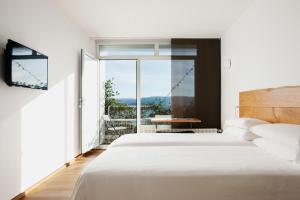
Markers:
point(155, 77)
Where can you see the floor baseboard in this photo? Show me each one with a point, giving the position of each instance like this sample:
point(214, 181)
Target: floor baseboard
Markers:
point(19, 196)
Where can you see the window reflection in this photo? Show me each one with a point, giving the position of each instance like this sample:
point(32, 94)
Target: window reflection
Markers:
point(21, 51)
point(183, 88)
point(184, 50)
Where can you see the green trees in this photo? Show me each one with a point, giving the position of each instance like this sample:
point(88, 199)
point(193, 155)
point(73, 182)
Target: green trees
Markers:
point(110, 95)
point(155, 108)
point(113, 106)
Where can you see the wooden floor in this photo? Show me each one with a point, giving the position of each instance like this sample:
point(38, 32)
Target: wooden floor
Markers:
point(60, 185)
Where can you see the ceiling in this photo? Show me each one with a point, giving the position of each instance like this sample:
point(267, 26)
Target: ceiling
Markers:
point(153, 18)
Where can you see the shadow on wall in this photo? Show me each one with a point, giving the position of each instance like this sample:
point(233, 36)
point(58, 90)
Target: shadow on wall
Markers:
point(12, 98)
point(10, 137)
point(37, 129)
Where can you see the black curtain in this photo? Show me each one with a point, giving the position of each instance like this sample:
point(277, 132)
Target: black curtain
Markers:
point(196, 81)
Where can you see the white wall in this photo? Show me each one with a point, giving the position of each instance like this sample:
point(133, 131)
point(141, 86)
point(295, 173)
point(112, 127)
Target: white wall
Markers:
point(264, 45)
point(39, 129)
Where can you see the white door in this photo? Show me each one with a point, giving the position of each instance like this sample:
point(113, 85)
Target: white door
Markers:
point(89, 102)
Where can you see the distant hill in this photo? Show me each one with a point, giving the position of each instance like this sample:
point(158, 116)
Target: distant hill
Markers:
point(184, 104)
point(166, 101)
point(181, 101)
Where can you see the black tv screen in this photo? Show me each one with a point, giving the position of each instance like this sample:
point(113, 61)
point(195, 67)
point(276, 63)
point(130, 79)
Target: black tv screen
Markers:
point(25, 67)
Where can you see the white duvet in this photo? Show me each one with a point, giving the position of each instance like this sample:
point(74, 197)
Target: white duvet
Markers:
point(178, 139)
point(188, 173)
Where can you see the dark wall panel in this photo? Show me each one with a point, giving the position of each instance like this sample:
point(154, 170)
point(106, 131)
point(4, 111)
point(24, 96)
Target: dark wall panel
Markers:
point(207, 79)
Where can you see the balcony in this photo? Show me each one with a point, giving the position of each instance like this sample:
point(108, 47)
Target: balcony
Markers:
point(116, 127)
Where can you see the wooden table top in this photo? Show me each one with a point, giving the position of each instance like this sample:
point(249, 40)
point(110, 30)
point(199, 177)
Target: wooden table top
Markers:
point(176, 120)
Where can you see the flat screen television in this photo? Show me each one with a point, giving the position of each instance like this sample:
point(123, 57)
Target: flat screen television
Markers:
point(25, 67)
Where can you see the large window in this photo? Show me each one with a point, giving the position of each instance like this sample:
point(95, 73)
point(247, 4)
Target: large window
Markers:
point(143, 83)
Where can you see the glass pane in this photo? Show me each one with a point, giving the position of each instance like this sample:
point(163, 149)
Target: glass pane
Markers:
point(184, 50)
point(165, 49)
point(127, 50)
point(183, 88)
point(120, 98)
point(21, 51)
point(155, 93)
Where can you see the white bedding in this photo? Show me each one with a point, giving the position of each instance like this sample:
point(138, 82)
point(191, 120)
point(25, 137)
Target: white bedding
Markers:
point(178, 139)
point(188, 173)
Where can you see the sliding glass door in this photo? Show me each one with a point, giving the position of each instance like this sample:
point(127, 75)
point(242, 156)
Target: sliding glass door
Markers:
point(120, 115)
point(145, 85)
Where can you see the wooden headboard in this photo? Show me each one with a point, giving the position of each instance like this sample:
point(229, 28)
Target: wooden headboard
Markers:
point(276, 105)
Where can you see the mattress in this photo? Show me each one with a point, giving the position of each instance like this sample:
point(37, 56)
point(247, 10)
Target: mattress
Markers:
point(188, 172)
point(177, 139)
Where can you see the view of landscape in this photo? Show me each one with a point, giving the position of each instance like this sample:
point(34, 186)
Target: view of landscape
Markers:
point(151, 105)
point(157, 86)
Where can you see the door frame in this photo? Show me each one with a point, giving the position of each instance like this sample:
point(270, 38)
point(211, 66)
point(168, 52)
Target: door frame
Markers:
point(138, 102)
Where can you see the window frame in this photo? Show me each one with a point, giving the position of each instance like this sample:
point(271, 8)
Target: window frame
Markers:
point(138, 62)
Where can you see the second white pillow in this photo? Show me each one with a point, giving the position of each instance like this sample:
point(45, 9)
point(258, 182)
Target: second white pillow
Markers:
point(244, 123)
point(288, 134)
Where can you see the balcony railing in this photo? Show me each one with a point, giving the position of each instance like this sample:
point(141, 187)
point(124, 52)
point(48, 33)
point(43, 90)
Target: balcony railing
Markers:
point(116, 127)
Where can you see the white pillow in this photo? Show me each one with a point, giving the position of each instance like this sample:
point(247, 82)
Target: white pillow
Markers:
point(280, 150)
point(240, 133)
point(245, 123)
point(288, 134)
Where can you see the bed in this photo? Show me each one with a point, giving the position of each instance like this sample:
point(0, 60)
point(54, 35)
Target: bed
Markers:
point(178, 139)
point(190, 172)
point(199, 170)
